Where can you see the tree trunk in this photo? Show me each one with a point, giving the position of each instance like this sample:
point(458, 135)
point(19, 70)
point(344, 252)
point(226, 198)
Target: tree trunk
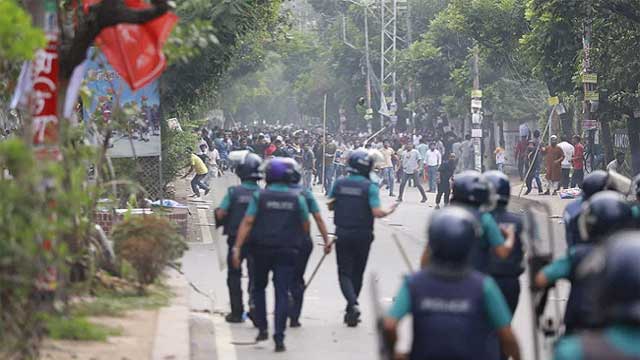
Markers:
point(607, 140)
point(501, 133)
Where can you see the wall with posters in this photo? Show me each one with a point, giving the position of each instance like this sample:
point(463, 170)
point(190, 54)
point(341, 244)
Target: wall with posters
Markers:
point(142, 108)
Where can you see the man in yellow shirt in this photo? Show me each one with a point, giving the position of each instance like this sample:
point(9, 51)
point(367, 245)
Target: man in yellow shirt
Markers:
point(201, 172)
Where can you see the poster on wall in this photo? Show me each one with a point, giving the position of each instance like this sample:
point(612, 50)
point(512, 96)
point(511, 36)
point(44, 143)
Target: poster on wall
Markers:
point(141, 135)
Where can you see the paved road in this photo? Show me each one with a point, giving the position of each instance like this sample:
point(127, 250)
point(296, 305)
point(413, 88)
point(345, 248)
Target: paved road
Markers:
point(323, 334)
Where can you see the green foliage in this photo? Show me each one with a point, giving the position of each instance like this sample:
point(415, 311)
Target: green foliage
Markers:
point(18, 38)
point(115, 304)
point(174, 158)
point(148, 244)
point(77, 328)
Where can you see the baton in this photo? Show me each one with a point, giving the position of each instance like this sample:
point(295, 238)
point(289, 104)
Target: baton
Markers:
point(315, 271)
point(405, 257)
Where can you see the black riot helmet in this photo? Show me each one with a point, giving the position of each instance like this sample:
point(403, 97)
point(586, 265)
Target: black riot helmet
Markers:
point(620, 288)
point(472, 188)
point(360, 163)
point(501, 184)
point(248, 165)
point(452, 233)
point(604, 213)
point(594, 182)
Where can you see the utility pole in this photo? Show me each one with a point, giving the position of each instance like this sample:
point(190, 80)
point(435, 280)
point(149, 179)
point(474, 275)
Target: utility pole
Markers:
point(388, 47)
point(476, 111)
point(366, 50)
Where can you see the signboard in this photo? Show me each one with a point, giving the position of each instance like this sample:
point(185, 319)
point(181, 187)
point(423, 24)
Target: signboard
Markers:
point(592, 96)
point(476, 133)
point(476, 104)
point(590, 78)
point(589, 124)
point(476, 93)
point(44, 95)
point(141, 107)
point(553, 101)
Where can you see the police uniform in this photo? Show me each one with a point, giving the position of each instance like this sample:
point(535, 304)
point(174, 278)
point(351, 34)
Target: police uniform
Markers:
point(454, 317)
point(355, 196)
point(490, 238)
point(297, 284)
point(617, 342)
point(506, 272)
point(279, 217)
point(570, 217)
point(235, 203)
point(579, 313)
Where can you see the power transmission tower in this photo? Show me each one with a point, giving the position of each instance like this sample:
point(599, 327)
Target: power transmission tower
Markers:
point(389, 10)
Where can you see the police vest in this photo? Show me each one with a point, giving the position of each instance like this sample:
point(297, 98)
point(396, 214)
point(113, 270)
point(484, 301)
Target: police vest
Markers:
point(239, 200)
point(480, 252)
point(351, 207)
point(278, 224)
point(596, 347)
point(449, 316)
point(512, 265)
point(581, 310)
point(570, 218)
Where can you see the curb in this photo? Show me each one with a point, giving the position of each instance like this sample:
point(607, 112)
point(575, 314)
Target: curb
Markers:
point(172, 339)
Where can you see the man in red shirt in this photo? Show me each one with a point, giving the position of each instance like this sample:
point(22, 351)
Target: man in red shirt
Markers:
point(521, 157)
point(578, 162)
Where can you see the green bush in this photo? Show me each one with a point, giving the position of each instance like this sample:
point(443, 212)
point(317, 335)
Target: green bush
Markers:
point(174, 158)
point(148, 244)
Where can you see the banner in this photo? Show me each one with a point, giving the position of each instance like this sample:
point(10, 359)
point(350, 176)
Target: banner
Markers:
point(141, 108)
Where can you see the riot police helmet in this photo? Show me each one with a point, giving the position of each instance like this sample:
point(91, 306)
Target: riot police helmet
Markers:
point(605, 212)
point(360, 163)
point(248, 165)
point(472, 188)
point(281, 170)
point(451, 234)
point(593, 183)
point(501, 184)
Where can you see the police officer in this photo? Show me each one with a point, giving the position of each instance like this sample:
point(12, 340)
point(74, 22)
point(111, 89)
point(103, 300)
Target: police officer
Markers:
point(229, 215)
point(297, 285)
point(593, 183)
point(456, 310)
point(356, 202)
point(619, 301)
point(278, 216)
point(474, 192)
point(507, 271)
point(604, 213)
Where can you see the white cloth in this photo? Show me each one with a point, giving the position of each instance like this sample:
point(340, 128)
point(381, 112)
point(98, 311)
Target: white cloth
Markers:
point(434, 158)
point(500, 157)
point(568, 150)
point(410, 161)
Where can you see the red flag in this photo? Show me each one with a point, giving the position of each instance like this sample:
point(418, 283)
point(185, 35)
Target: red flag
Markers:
point(135, 51)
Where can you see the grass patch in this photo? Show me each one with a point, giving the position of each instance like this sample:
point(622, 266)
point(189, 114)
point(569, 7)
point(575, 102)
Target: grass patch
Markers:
point(109, 303)
point(77, 328)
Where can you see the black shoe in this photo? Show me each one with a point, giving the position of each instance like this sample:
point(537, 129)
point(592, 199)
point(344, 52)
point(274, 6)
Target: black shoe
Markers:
point(234, 318)
point(424, 200)
point(295, 323)
point(546, 193)
point(263, 335)
point(206, 192)
point(399, 199)
point(437, 206)
point(528, 192)
point(280, 346)
point(352, 317)
point(392, 194)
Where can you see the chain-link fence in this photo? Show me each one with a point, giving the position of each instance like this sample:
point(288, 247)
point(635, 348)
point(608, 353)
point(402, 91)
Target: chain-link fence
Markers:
point(142, 170)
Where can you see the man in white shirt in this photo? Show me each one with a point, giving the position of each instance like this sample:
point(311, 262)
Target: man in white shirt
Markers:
point(410, 170)
point(568, 150)
point(422, 149)
point(433, 160)
point(387, 166)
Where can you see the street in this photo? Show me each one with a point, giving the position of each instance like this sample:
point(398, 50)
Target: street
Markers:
point(323, 334)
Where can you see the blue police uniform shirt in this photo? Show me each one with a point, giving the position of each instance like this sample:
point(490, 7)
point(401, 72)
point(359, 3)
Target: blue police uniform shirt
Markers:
point(312, 204)
point(226, 201)
point(235, 205)
point(621, 337)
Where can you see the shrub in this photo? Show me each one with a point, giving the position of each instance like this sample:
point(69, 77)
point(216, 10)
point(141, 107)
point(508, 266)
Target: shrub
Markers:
point(148, 244)
point(77, 328)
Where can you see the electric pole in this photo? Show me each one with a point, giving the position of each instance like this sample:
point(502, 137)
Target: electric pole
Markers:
point(476, 111)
